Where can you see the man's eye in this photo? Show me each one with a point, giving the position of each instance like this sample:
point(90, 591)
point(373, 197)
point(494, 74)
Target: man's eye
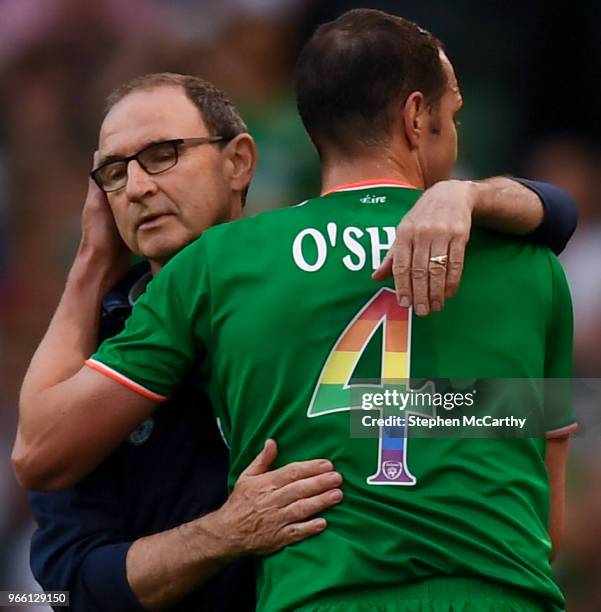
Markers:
point(159, 154)
point(113, 172)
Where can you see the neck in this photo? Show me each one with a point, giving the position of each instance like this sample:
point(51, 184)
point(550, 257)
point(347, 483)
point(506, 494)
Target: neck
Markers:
point(359, 169)
point(234, 213)
point(155, 266)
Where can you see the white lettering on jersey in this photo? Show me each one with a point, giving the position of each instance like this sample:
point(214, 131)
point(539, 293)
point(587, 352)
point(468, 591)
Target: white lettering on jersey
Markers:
point(378, 247)
point(348, 237)
point(297, 250)
point(354, 258)
point(373, 199)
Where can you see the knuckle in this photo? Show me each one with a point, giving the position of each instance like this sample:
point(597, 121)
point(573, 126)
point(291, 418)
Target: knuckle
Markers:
point(438, 272)
point(461, 238)
point(305, 508)
point(458, 232)
point(423, 230)
point(436, 228)
point(419, 273)
point(294, 471)
point(399, 268)
point(404, 229)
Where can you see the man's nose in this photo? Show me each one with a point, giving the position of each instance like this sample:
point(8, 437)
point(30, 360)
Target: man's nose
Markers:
point(139, 182)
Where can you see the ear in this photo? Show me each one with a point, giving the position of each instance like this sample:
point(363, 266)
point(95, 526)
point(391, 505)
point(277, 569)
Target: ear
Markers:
point(413, 118)
point(241, 159)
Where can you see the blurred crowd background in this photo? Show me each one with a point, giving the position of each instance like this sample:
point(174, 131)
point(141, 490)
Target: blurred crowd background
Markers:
point(531, 81)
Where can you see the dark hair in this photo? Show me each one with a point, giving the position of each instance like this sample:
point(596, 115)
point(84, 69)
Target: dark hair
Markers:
point(356, 70)
point(216, 109)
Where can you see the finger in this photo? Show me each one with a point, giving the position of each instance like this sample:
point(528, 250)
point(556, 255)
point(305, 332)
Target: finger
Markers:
point(455, 266)
point(305, 488)
point(95, 197)
point(299, 531)
point(298, 471)
point(437, 275)
point(95, 192)
point(385, 269)
point(401, 270)
point(419, 275)
point(263, 461)
point(305, 508)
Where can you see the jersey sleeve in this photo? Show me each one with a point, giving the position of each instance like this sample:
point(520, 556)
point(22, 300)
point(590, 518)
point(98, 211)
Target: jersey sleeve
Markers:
point(559, 410)
point(167, 334)
point(560, 215)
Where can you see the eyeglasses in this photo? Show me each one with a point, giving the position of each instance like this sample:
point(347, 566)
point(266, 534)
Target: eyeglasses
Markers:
point(154, 159)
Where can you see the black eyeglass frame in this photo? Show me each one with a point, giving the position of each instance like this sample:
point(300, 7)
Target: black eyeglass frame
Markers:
point(175, 142)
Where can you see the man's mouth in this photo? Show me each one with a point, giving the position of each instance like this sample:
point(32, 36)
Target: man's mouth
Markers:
point(151, 221)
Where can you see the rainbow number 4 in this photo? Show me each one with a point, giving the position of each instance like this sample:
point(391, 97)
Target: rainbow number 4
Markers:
point(335, 391)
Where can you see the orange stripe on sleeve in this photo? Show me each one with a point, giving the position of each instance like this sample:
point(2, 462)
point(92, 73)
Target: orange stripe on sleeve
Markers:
point(562, 432)
point(116, 376)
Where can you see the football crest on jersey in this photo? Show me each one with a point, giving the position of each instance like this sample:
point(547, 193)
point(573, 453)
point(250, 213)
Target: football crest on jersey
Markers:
point(142, 432)
point(392, 469)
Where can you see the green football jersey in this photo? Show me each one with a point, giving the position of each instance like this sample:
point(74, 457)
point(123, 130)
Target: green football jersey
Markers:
point(279, 316)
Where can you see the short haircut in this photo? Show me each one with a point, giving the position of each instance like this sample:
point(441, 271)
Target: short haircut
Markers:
point(355, 71)
point(217, 111)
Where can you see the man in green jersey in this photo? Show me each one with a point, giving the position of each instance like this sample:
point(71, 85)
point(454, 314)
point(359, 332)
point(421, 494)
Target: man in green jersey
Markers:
point(278, 313)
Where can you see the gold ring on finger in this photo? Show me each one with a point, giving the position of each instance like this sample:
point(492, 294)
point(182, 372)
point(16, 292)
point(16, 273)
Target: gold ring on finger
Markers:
point(440, 260)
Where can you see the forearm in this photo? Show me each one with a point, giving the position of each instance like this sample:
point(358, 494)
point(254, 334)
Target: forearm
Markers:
point(506, 205)
point(266, 511)
point(440, 223)
point(70, 339)
point(53, 432)
point(72, 334)
point(165, 567)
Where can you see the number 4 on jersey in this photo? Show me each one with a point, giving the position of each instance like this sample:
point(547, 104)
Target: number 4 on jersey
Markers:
point(334, 391)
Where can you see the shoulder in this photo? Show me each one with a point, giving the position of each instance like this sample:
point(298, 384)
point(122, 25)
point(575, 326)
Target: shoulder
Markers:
point(250, 234)
point(265, 221)
point(562, 298)
point(514, 269)
point(510, 249)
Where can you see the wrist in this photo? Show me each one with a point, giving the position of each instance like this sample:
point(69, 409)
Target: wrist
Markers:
point(475, 196)
point(489, 195)
point(209, 538)
point(91, 267)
